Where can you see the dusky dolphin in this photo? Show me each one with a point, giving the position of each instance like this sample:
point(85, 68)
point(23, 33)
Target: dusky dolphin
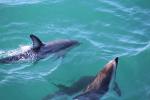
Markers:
point(103, 82)
point(94, 86)
point(40, 50)
point(70, 90)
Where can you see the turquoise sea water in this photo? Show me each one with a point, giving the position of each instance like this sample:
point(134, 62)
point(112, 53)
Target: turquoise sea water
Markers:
point(106, 29)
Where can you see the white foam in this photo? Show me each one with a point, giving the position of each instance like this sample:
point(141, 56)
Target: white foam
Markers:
point(24, 48)
point(21, 49)
point(1, 52)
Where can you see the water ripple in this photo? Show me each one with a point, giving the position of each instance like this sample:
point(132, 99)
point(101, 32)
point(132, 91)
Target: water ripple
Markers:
point(27, 71)
point(27, 2)
point(19, 2)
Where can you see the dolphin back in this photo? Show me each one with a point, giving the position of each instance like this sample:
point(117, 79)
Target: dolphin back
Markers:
point(9, 59)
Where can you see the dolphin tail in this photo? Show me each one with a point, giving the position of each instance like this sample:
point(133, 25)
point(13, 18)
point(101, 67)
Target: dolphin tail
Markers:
point(117, 89)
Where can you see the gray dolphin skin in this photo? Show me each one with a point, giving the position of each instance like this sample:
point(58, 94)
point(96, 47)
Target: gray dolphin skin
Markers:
point(41, 50)
point(103, 82)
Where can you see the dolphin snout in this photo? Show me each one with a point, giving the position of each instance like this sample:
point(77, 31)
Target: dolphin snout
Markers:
point(116, 60)
point(75, 42)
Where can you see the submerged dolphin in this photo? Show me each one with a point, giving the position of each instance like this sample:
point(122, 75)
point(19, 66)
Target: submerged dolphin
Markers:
point(95, 86)
point(70, 90)
point(40, 50)
point(102, 83)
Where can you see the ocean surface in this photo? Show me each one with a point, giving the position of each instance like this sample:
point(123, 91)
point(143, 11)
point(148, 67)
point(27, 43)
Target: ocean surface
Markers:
point(105, 28)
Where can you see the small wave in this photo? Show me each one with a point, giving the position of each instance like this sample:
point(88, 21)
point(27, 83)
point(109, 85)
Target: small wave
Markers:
point(15, 24)
point(28, 72)
point(55, 1)
point(27, 2)
point(118, 6)
point(20, 2)
point(135, 46)
point(66, 30)
point(105, 10)
point(11, 71)
point(5, 80)
point(139, 50)
point(51, 70)
point(129, 12)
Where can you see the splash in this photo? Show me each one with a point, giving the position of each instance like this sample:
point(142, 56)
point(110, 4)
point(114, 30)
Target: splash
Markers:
point(21, 49)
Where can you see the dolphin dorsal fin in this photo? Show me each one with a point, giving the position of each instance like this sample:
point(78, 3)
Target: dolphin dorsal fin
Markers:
point(36, 42)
